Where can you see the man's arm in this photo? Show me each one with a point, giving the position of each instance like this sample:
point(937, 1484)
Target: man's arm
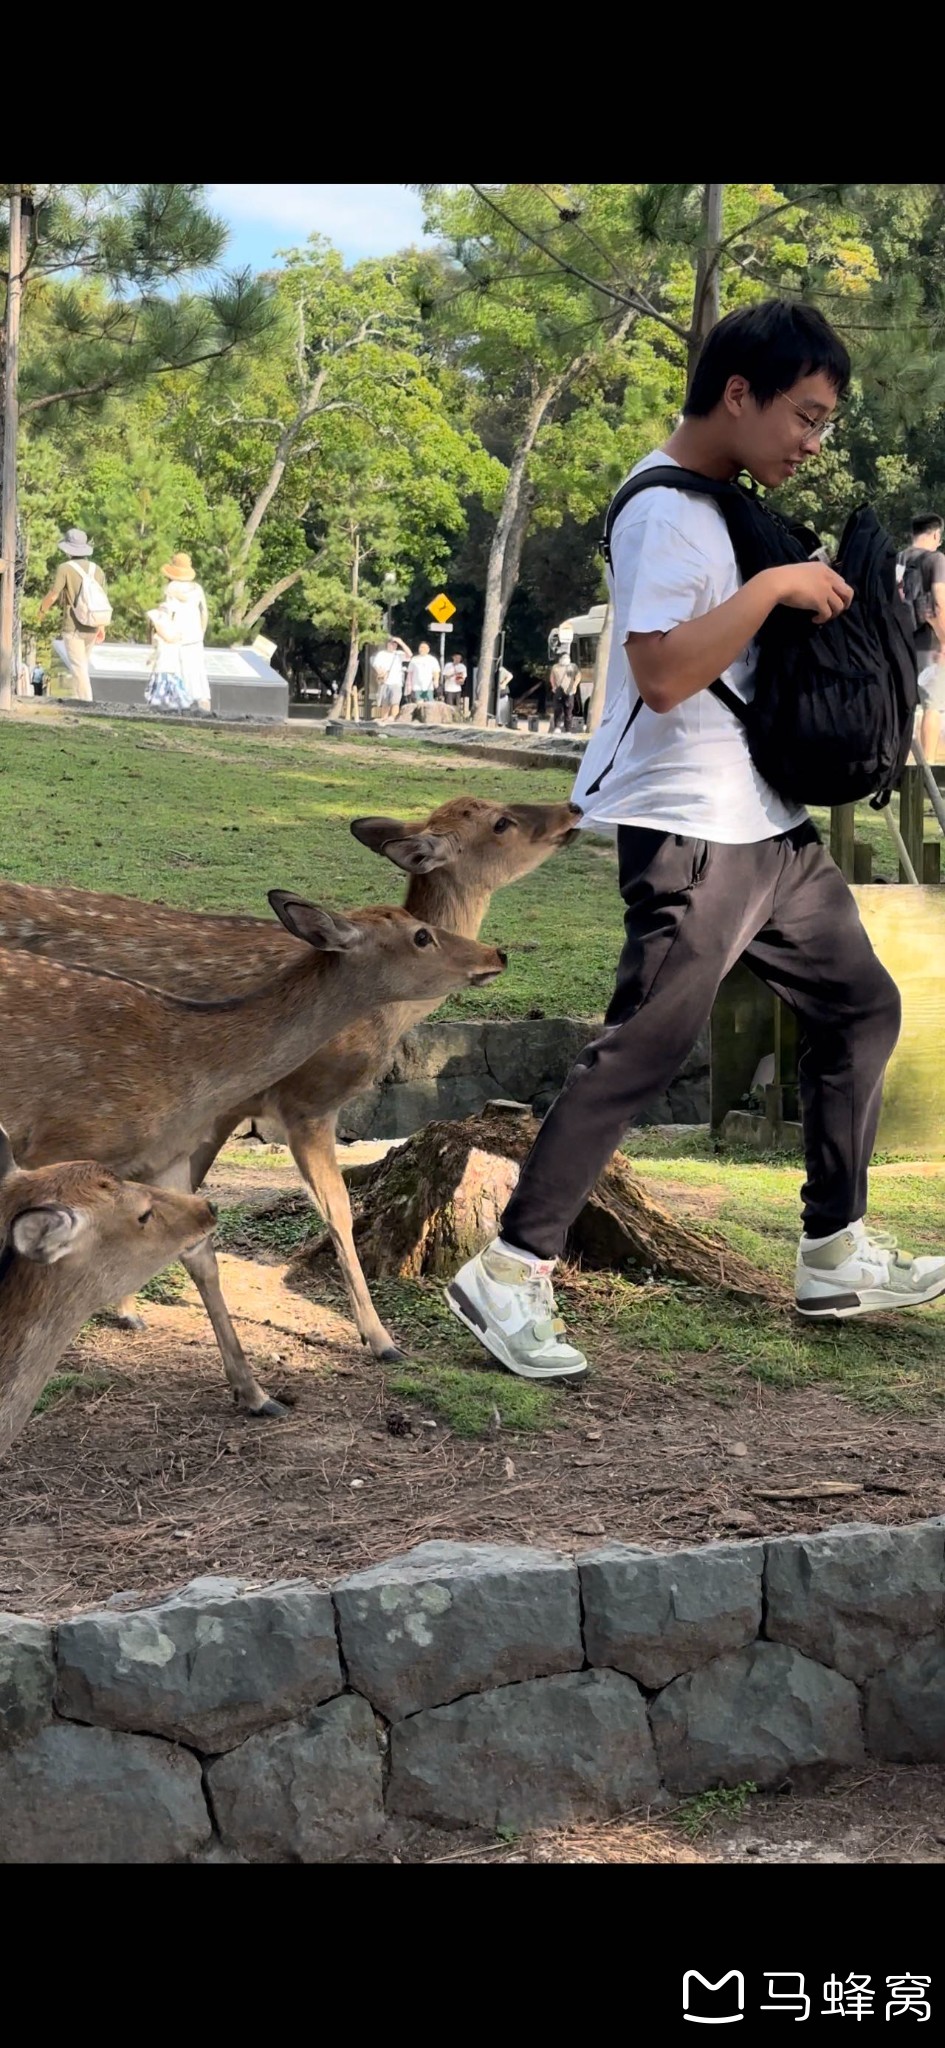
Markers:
point(55, 592)
point(670, 667)
point(937, 620)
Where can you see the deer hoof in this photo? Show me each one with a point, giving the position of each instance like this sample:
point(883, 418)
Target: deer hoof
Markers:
point(270, 1411)
point(392, 1356)
point(134, 1322)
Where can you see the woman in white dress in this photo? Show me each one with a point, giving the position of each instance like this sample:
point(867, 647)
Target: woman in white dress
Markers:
point(186, 595)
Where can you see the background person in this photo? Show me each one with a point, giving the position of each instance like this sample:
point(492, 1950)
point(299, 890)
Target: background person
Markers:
point(564, 680)
point(423, 674)
point(82, 596)
point(185, 593)
point(923, 571)
point(454, 680)
point(388, 669)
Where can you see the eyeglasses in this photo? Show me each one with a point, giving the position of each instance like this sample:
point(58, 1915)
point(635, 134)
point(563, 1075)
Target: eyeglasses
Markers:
point(817, 430)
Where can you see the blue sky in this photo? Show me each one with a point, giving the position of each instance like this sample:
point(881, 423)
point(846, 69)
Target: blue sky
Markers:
point(361, 220)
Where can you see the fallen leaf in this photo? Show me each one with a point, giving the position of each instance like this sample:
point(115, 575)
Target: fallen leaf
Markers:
point(593, 1436)
point(738, 1450)
point(509, 1469)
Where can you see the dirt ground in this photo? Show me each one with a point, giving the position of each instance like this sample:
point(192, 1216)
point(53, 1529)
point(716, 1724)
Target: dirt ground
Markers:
point(145, 1475)
point(877, 1816)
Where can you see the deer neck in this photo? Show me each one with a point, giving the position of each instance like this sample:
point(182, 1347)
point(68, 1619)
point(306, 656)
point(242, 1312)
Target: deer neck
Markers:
point(246, 1045)
point(440, 898)
point(41, 1311)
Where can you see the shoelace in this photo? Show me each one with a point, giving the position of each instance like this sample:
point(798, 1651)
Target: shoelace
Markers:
point(546, 1323)
point(881, 1247)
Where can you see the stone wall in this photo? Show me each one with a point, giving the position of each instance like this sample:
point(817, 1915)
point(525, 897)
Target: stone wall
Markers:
point(443, 1070)
point(464, 1685)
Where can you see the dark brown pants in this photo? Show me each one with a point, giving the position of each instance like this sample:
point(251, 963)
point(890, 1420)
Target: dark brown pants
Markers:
point(693, 908)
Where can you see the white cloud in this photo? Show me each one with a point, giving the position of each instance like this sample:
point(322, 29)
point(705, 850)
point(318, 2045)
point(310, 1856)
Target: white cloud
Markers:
point(363, 220)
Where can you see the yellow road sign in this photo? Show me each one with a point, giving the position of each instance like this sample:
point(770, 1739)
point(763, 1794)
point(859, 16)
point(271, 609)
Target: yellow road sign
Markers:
point(442, 608)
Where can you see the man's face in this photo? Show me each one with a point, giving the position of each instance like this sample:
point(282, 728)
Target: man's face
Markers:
point(774, 440)
point(424, 647)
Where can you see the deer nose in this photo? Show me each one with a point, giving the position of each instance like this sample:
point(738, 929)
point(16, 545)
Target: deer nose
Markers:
point(575, 810)
point(502, 956)
point(213, 1210)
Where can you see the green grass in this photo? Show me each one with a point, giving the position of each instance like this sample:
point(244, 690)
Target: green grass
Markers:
point(211, 820)
point(166, 1288)
point(70, 1383)
point(709, 1809)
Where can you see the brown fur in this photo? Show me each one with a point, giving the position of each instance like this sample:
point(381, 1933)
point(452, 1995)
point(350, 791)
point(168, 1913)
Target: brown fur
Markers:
point(134, 1077)
point(115, 1246)
point(465, 859)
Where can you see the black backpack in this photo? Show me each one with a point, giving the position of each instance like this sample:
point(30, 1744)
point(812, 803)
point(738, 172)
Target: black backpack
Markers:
point(914, 592)
point(832, 715)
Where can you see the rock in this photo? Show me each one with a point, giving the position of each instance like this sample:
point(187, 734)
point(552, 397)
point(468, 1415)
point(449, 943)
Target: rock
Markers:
point(655, 1616)
point(27, 1676)
point(544, 1753)
point(85, 1795)
point(452, 1618)
point(854, 1597)
point(207, 1667)
point(756, 1715)
point(905, 1706)
point(308, 1793)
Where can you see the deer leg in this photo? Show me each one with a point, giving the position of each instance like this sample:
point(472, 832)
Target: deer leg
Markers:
point(126, 1313)
point(205, 1273)
point(312, 1145)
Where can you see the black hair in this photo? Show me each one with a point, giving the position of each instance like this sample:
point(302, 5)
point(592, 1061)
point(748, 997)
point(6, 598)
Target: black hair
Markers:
point(925, 522)
point(772, 345)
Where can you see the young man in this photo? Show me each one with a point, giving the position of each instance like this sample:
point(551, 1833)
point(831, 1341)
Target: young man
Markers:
point(77, 639)
point(563, 681)
point(714, 865)
point(923, 567)
point(423, 675)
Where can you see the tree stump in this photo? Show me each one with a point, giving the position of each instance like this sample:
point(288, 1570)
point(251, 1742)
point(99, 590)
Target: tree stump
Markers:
point(437, 1199)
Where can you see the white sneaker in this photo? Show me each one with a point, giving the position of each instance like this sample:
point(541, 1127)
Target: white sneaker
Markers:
point(856, 1272)
point(508, 1303)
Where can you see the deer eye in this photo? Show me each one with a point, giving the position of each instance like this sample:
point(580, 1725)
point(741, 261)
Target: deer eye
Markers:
point(503, 824)
point(423, 938)
point(146, 1217)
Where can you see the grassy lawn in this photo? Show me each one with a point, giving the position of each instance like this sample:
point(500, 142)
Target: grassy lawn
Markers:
point(211, 820)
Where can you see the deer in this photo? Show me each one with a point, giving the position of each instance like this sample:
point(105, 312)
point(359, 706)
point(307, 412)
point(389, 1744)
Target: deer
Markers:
point(72, 1238)
point(454, 860)
point(134, 1077)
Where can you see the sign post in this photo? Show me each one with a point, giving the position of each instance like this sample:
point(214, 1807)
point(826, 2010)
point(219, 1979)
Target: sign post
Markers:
point(441, 608)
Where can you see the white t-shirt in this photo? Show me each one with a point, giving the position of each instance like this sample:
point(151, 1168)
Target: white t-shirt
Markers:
point(454, 676)
point(422, 674)
point(686, 770)
point(389, 669)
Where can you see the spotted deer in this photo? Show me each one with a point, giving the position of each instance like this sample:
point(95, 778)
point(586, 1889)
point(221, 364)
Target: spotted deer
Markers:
point(110, 1069)
point(455, 859)
point(72, 1238)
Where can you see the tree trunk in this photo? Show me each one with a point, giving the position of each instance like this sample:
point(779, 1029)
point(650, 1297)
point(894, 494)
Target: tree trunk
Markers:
point(437, 1199)
point(706, 300)
point(511, 524)
point(354, 645)
point(595, 709)
point(10, 412)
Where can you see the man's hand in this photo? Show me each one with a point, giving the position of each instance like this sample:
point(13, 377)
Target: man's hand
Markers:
point(99, 637)
point(813, 587)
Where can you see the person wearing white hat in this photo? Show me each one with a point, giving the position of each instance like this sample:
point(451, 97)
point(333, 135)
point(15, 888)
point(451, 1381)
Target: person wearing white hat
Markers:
point(83, 598)
point(190, 606)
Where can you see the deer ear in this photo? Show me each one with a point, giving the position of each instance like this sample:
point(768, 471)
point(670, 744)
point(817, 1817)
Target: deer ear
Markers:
point(421, 852)
point(317, 927)
point(7, 1161)
point(48, 1234)
point(375, 832)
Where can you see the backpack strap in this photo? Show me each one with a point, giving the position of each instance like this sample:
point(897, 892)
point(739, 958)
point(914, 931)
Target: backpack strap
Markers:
point(663, 476)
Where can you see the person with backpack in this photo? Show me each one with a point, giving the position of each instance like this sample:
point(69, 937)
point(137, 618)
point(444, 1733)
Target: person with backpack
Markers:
point(922, 589)
point(80, 591)
point(721, 658)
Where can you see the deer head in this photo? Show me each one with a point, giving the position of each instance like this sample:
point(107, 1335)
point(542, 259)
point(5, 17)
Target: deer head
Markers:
point(406, 959)
point(487, 844)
